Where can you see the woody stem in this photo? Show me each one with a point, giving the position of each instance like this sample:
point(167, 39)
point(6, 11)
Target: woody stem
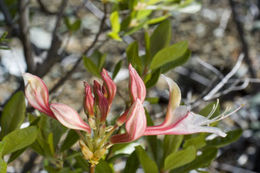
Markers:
point(92, 168)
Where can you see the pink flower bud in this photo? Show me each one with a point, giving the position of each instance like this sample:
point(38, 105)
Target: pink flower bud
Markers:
point(136, 85)
point(37, 93)
point(89, 100)
point(110, 86)
point(103, 106)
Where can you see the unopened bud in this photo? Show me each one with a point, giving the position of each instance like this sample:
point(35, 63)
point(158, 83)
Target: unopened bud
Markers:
point(88, 101)
point(88, 155)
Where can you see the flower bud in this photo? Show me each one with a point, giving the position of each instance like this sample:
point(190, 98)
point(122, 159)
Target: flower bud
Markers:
point(88, 101)
point(88, 155)
point(110, 86)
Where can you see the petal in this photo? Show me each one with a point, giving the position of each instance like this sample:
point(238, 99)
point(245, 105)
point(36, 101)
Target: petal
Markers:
point(135, 125)
point(174, 100)
point(69, 117)
point(37, 93)
point(110, 86)
point(185, 123)
point(136, 85)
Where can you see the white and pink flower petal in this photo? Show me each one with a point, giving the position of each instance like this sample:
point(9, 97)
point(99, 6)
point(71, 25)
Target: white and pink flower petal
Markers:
point(69, 117)
point(37, 93)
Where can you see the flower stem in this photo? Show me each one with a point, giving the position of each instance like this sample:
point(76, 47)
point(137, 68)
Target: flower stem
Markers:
point(92, 168)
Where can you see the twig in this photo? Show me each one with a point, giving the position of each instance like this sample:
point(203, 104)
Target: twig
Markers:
point(210, 67)
point(70, 72)
point(52, 56)
point(225, 79)
point(25, 35)
point(45, 9)
point(244, 45)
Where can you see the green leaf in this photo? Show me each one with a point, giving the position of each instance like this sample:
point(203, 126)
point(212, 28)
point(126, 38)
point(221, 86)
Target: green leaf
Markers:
point(103, 166)
point(75, 26)
point(13, 114)
point(171, 144)
point(177, 62)
point(50, 143)
point(152, 140)
point(154, 78)
point(19, 139)
point(114, 20)
point(232, 136)
point(82, 163)
point(147, 163)
point(71, 138)
point(207, 109)
point(201, 161)
point(1, 148)
point(15, 154)
point(3, 166)
point(169, 54)
point(115, 25)
point(132, 163)
point(101, 62)
point(133, 57)
point(148, 56)
point(197, 141)
point(91, 67)
point(161, 37)
point(180, 158)
point(117, 68)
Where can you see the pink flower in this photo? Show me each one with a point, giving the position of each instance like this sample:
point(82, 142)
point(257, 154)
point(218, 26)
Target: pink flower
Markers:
point(179, 120)
point(37, 95)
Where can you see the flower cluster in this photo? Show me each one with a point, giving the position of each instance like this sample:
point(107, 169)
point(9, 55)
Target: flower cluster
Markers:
point(97, 103)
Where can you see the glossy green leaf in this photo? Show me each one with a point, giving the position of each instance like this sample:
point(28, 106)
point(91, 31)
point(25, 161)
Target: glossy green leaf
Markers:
point(19, 139)
point(207, 109)
point(13, 114)
point(148, 55)
point(154, 78)
point(117, 68)
point(152, 140)
point(161, 37)
point(201, 161)
point(75, 26)
point(177, 62)
point(197, 141)
point(1, 148)
point(15, 154)
point(103, 166)
point(147, 163)
point(101, 62)
point(3, 166)
point(180, 158)
point(115, 25)
point(169, 54)
point(232, 136)
point(71, 138)
point(133, 57)
point(171, 144)
point(50, 143)
point(114, 20)
point(82, 163)
point(91, 67)
point(132, 163)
